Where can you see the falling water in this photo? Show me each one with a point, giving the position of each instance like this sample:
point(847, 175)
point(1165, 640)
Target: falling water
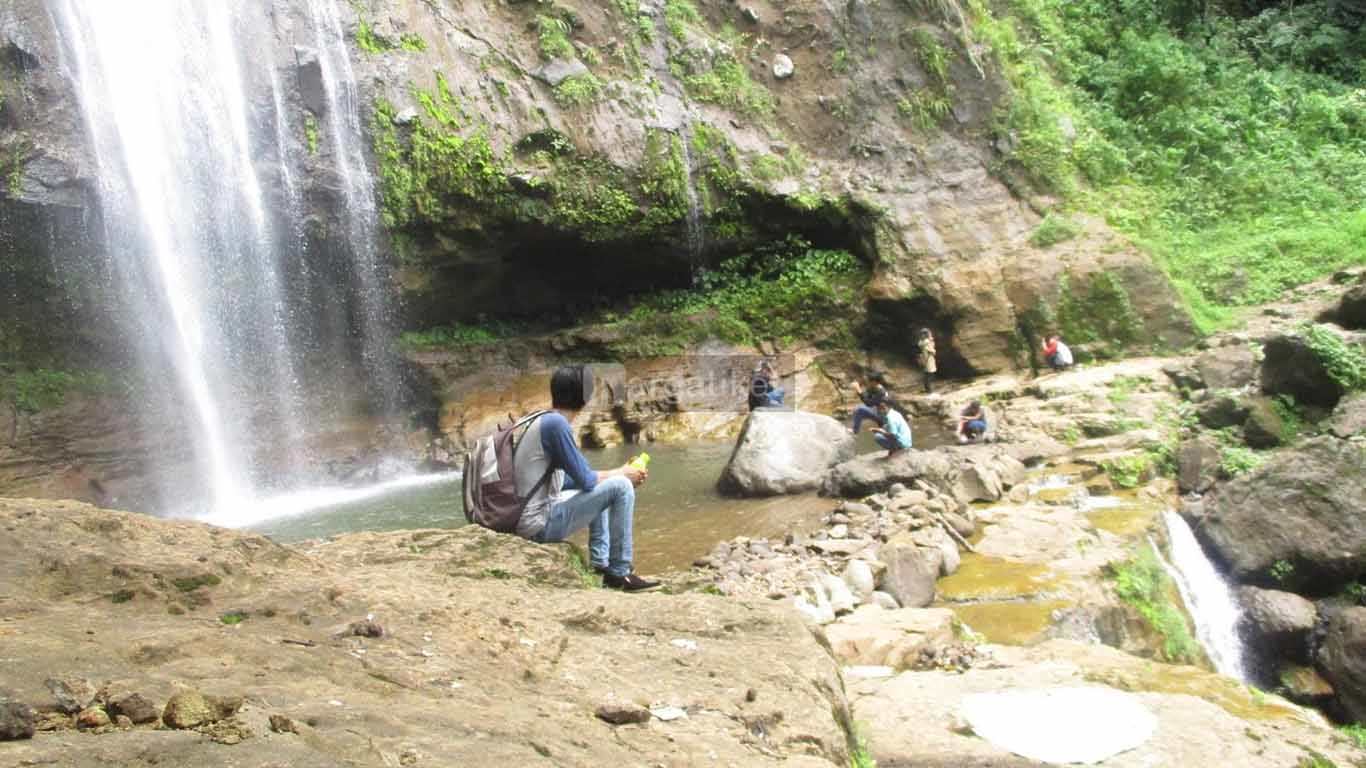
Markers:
point(187, 119)
point(696, 235)
point(1207, 596)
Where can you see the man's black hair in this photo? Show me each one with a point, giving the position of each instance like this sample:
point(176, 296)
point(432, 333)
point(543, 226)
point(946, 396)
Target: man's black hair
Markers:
point(571, 387)
point(878, 377)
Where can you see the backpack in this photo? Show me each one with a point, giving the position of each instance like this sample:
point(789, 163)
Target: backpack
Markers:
point(1064, 354)
point(490, 480)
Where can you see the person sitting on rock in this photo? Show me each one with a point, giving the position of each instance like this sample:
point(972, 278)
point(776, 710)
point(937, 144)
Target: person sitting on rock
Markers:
point(564, 494)
point(762, 393)
point(1056, 354)
point(895, 433)
point(972, 422)
point(874, 395)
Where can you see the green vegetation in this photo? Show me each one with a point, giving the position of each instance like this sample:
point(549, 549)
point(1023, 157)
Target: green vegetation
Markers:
point(716, 77)
point(122, 596)
point(459, 336)
point(858, 750)
point(924, 108)
point(233, 618)
point(1316, 760)
point(191, 583)
point(1345, 364)
point(1055, 228)
point(553, 34)
point(373, 43)
point(679, 15)
point(1235, 460)
point(1292, 422)
point(1123, 387)
point(41, 389)
point(774, 294)
point(1231, 147)
point(1101, 318)
point(1282, 571)
point(934, 58)
point(1128, 471)
point(311, 133)
point(579, 90)
point(1356, 733)
point(1143, 583)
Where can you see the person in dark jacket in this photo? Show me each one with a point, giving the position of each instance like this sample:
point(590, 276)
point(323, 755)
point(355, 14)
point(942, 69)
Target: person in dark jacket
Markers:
point(762, 392)
point(876, 392)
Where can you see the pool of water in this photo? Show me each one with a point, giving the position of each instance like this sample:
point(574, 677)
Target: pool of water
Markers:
point(679, 514)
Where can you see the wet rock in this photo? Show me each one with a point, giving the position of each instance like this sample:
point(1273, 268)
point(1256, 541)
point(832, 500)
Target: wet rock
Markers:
point(1305, 685)
point(190, 708)
point(1263, 427)
point(308, 74)
point(911, 571)
point(870, 473)
point(618, 713)
point(1221, 410)
point(1197, 463)
point(960, 524)
point(859, 576)
point(136, 708)
point(72, 694)
point(873, 636)
point(750, 15)
point(1342, 659)
point(1278, 621)
point(1351, 310)
point(16, 718)
point(840, 547)
point(784, 452)
point(1232, 366)
point(556, 71)
point(1290, 367)
point(91, 718)
point(783, 68)
point(1302, 507)
point(282, 724)
point(839, 532)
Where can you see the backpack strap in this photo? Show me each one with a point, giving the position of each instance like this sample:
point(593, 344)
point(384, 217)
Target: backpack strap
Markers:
point(526, 421)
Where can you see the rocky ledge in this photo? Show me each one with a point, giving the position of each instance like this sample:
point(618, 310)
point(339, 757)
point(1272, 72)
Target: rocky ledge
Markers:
point(132, 641)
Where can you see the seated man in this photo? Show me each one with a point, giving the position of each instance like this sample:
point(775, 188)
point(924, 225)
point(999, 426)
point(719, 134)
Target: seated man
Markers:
point(1057, 354)
point(895, 433)
point(874, 394)
point(972, 423)
point(563, 494)
point(762, 393)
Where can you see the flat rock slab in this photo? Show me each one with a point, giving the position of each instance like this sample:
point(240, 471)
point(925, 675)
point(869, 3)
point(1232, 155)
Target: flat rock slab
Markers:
point(916, 718)
point(1061, 725)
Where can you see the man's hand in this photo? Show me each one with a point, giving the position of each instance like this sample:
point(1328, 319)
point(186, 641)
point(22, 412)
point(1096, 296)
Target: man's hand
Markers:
point(634, 474)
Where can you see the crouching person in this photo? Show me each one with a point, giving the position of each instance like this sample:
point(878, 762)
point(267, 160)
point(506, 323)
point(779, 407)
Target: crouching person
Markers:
point(895, 433)
point(563, 494)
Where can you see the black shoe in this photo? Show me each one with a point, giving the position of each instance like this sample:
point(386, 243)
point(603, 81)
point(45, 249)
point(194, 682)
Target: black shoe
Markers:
point(600, 570)
point(628, 583)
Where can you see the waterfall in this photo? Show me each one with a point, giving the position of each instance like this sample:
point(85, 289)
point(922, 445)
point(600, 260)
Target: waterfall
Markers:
point(202, 205)
point(1208, 598)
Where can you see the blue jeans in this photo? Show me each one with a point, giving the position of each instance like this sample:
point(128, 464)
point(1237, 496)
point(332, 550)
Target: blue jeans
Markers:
point(608, 511)
point(865, 412)
point(775, 397)
point(889, 442)
point(975, 428)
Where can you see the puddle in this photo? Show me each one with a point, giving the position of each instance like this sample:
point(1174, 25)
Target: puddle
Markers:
point(1009, 623)
point(981, 577)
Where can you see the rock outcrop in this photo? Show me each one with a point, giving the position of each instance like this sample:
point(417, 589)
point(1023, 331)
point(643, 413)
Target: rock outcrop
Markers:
point(1302, 508)
point(1279, 622)
point(784, 452)
point(494, 652)
point(1291, 367)
point(1342, 659)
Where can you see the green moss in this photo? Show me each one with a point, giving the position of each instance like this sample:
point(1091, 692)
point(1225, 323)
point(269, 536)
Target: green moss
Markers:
point(552, 33)
point(728, 84)
point(191, 583)
point(1128, 471)
point(1345, 364)
point(679, 15)
point(41, 389)
point(1143, 584)
point(1101, 317)
point(122, 596)
point(311, 133)
point(1055, 228)
point(233, 618)
point(934, 58)
point(579, 90)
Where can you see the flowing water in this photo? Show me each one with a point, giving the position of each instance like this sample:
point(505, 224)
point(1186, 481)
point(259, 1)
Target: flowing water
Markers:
point(1207, 596)
point(200, 199)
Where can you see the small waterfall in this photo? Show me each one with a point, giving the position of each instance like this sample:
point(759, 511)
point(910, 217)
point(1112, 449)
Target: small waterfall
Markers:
point(202, 195)
point(1208, 598)
point(697, 242)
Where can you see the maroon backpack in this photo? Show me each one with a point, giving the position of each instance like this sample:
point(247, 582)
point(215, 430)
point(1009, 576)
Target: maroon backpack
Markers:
point(490, 478)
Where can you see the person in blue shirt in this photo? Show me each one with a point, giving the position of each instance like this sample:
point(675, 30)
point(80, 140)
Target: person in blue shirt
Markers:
point(895, 433)
point(564, 494)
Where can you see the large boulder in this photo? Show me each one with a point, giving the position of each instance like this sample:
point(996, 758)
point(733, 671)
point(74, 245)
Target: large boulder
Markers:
point(1351, 312)
point(1290, 367)
point(1232, 366)
point(1221, 410)
point(1279, 622)
point(1197, 462)
point(1349, 417)
point(1299, 513)
point(1342, 659)
point(874, 636)
point(911, 572)
point(874, 472)
point(784, 452)
point(1263, 427)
